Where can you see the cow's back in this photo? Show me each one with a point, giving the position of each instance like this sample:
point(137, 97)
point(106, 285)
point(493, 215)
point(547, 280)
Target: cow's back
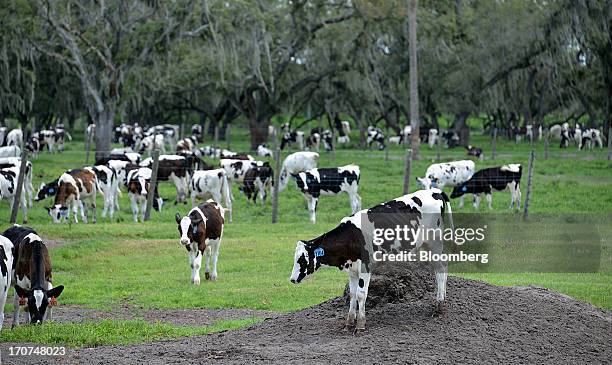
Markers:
point(214, 219)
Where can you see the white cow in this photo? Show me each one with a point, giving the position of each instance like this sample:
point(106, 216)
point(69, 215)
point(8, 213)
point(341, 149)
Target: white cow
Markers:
point(296, 163)
point(264, 151)
point(6, 257)
point(213, 182)
point(452, 173)
point(27, 185)
point(432, 138)
point(148, 143)
point(14, 137)
point(10, 151)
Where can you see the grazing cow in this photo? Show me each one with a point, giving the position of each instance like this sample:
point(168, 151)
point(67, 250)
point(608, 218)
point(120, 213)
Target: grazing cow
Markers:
point(6, 268)
point(109, 185)
point(497, 178)
point(122, 155)
point(399, 139)
point(432, 137)
point(264, 151)
point(73, 188)
point(34, 145)
point(590, 138)
point(476, 152)
point(194, 162)
point(148, 143)
point(48, 138)
point(440, 175)
point(313, 141)
point(200, 233)
point(121, 169)
point(290, 138)
point(138, 183)
point(197, 133)
point(376, 135)
point(14, 137)
point(296, 163)
point(8, 189)
point(225, 154)
point(169, 132)
point(208, 151)
point(353, 247)
point(256, 181)
point(213, 182)
point(329, 181)
point(328, 138)
point(6, 162)
point(187, 144)
point(451, 138)
point(60, 135)
point(172, 168)
point(236, 169)
point(10, 151)
point(32, 275)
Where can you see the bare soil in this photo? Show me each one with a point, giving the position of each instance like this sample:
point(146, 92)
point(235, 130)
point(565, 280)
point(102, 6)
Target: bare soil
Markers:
point(482, 324)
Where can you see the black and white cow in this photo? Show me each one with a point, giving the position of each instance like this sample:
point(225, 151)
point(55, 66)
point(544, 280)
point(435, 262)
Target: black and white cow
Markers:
point(169, 133)
point(264, 151)
point(147, 144)
point(8, 189)
point(328, 140)
point(32, 275)
point(451, 138)
point(138, 183)
point(354, 248)
point(2, 135)
point(329, 181)
point(475, 151)
point(10, 151)
point(344, 129)
point(173, 168)
point(14, 137)
point(6, 162)
point(213, 182)
point(296, 163)
point(494, 178)
point(196, 131)
point(109, 185)
point(290, 138)
point(75, 187)
point(6, 269)
point(200, 232)
point(256, 181)
point(376, 135)
point(123, 154)
point(440, 175)
point(187, 144)
point(591, 137)
point(60, 136)
point(313, 141)
point(236, 169)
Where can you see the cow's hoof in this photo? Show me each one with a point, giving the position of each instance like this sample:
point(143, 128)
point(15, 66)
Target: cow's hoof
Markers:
point(196, 281)
point(358, 331)
point(207, 276)
point(439, 309)
point(213, 278)
point(360, 325)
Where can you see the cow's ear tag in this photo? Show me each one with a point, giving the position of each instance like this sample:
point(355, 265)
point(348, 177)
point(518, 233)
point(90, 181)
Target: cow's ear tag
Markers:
point(22, 301)
point(53, 302)
point(318, 252)
point(195, 230)
point(51, 190)
point(464, 188)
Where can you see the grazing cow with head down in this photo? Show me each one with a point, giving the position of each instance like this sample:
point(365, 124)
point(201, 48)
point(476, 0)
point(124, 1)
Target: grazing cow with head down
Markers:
point(213, 182)
point(8, 189)
point(296, 163)
point(591, 137)
point(7, 162)
point(353, 246)
point(6, 269)
point(376, 135)
point(138, 183)
point(264, 151)
point(475, 151)
point(32, 275)
point(494, 178)
point(329, 181)
point(74, 187)
point(452, 173)
point(200, 233)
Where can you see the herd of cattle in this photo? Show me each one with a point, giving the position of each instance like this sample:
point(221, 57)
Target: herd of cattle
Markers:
point(25, 261)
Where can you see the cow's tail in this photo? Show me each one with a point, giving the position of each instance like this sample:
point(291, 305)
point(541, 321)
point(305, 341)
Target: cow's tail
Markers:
point(98, 187)
point(68, 135)
point(226, 196)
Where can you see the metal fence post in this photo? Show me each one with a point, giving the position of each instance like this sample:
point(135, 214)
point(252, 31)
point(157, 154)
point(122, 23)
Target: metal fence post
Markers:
point(152, 184)
point(529, 177)
point(407, 167)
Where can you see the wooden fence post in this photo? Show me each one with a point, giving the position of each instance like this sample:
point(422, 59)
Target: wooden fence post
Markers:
point(19, 189)
point(529, 177)
point(152, 184)
point(275, 188)
point(407, 167)
point(88, 145)
point(494, 144)
point(216, 135)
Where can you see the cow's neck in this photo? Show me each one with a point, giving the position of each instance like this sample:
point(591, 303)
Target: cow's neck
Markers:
point(38, 266)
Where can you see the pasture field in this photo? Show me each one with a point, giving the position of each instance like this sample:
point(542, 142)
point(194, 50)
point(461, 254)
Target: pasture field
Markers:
point(113, 264)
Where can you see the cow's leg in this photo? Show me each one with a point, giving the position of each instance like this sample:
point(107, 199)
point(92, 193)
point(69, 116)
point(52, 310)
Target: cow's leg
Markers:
point(362, 294)
point(83, 208)
point(352, 313)
point(312, 207)
point(193, 198)
point(17, 308)
point(195, 258)
point(476, 201)
point(461, 201)
point(517, 195)
point(143, 209)
point(3, 296)
point(440, 268)
point(24, 208)
point(75, 211)
point(215, 258)
point(134, 205)
point(49, 311)
point(207, 263)
point(355, 201)
point(489, 197)
point(216, 195)
point(94, 207)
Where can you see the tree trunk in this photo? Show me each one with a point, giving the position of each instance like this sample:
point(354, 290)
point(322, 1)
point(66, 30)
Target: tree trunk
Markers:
point(259, 131)
point(414, 79)
point(461, 127)
point(104, 132)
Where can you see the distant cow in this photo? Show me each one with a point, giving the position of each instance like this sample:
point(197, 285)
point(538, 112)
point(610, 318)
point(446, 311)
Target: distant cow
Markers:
point(256, 181)
point(475, 151)
point(138, 184)
point(432, 137)
point(494, 178)
point(10, 151)
point(173, 168)
point(8, 189)
point(236, 169)
point(440, 175)
point(264, 151)
point(313, 141)
point(329, 181)
point(74, 187)
point(6, 269)
point(296, 163)
point(290, 138)
point(187, 144)
point(352, 245)
point(200, 233)
point(32, 275)
point(213, 182)
point(328, 139)
point(7, 162)
point(590, 138)
point(121, 154)
point(60, 136)
point(375, 134)
point(109, 185)
point(14, 137)
point(451, 138)
point(147, 144)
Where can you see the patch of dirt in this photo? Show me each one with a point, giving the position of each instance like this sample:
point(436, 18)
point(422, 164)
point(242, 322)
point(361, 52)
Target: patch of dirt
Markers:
point(482, 324)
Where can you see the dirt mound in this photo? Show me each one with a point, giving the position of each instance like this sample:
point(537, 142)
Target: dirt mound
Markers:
point(483, 324)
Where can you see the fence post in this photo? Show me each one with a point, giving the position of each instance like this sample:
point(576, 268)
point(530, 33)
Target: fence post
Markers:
point(88, 146)
point(610, 143)
point(389, 145)
point(276, 184)
point(546, 142)
point(227, 135)
point(407, 167)
point(529, 176)
point(438, 147)
point(216, 135)
point(20, 178)
point(494, 144)
point(152, 184)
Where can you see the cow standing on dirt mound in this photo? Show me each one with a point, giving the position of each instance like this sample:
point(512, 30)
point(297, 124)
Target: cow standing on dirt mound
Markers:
point(201, 231)
point(354, 245)
point(32, 275)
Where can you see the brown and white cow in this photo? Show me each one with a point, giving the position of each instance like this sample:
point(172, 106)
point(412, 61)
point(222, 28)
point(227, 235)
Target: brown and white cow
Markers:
point(200, 233)
point(74, 187)
point(32, 275)
point(138, 185)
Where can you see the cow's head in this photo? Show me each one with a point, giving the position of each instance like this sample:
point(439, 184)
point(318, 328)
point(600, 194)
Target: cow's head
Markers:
point(305, 261)
point(37, 301)
point(191, 229)
point(425, 182)
point(57, 212)
point(459, 190)
point(46, 191)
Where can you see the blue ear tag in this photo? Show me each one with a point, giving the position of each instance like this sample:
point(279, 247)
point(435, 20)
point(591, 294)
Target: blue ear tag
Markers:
point(319, 252)
point(64, 213)
point(433, 184)
point(51, 190)
point(464, 188)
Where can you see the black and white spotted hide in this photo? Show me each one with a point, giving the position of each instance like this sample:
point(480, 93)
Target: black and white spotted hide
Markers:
point(495, 178)
point(6, 269)
point(211, 182)
point(257, 181)
point(8, 189)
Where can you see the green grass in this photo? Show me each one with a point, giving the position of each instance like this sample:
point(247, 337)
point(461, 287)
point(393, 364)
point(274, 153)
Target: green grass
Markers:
point(112, 332)
point(115, 263)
